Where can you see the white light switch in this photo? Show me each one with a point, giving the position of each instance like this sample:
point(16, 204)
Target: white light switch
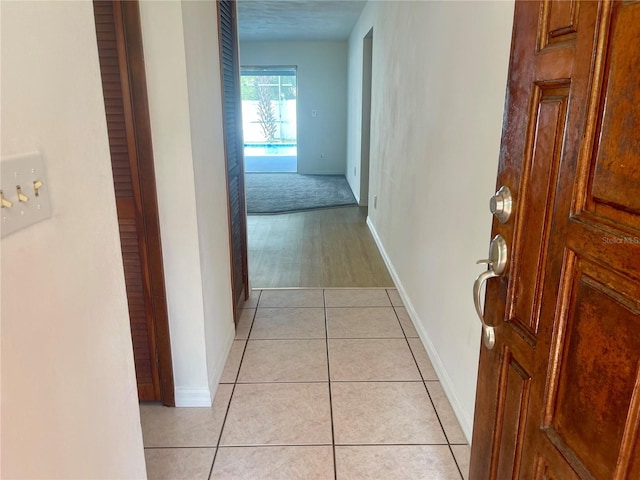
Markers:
point(25, 192)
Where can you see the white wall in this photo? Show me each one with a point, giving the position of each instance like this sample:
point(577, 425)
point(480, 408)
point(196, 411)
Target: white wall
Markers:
point(322, 86)
point(185, 110)
point(439, 79)
point(205, 107)
point(69, 398)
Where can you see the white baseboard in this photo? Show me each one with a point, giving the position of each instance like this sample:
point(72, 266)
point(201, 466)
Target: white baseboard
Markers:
point(203, 397)
point(193, 397)
point(216, 375)
point(466, 422)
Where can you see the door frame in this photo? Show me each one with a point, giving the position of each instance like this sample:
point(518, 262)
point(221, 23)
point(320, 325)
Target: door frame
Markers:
point(365, 128)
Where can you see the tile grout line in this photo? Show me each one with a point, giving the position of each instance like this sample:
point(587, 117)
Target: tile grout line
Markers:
point(180, 447)
point(333, 437)
point(331, 338)
point(446, 437)
point(351, 307)
point(291, 382)
point(435, 410)
point(233, 389)
point(322, 288)
point(395, 312)
point(278, 445)
point(424, 382)
point(323, 307)
point(456, 461)
point(329, 381)
point(421, 444)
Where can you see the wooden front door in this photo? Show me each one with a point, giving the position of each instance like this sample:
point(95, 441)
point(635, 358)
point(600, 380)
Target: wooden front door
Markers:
point(559, 394)
point(124, 87)
point(233, 145)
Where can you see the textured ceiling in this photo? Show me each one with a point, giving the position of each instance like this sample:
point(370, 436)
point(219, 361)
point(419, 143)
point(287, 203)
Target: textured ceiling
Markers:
point(297, 19)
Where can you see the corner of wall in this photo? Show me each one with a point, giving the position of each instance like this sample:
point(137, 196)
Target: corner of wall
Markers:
point(207, 143)
point(171, 131)
point(218, 363)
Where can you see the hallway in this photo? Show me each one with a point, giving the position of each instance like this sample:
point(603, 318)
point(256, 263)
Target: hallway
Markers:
point(329, 247)
point(319, 384)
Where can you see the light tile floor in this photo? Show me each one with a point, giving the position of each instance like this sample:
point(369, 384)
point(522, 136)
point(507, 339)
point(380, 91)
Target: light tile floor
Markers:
point(319, 384)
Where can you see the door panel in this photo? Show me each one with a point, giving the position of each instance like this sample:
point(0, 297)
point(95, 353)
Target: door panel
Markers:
point(516, 388)
point(588, 399)
point(124, 88)
point(547, 123)
point(616, 176)
point(559, 22)
point(231, 99)
point(559, 394)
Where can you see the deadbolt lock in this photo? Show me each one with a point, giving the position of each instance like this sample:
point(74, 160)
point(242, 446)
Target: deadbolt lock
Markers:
point(501, 204)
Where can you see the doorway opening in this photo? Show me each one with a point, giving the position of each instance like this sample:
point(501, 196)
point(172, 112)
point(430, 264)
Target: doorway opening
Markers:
point(365, 139)
point(269, 101)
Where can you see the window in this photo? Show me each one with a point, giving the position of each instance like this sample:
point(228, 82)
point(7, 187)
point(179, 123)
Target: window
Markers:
point(269, 118)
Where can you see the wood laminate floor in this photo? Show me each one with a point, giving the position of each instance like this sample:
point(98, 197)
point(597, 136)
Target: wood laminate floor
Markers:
point(319, 248)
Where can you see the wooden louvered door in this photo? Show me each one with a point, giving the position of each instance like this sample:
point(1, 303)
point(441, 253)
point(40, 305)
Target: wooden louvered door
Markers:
point(124, 86)
point(230, 71)
point(559, 394)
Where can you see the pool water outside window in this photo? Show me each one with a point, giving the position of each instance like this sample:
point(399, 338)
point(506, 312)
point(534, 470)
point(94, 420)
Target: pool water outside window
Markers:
point(269, 118)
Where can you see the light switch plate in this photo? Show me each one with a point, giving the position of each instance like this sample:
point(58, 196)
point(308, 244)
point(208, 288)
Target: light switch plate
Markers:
point(23, 171)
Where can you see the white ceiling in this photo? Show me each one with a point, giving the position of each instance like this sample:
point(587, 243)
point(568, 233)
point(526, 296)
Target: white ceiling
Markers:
point(297, 19)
